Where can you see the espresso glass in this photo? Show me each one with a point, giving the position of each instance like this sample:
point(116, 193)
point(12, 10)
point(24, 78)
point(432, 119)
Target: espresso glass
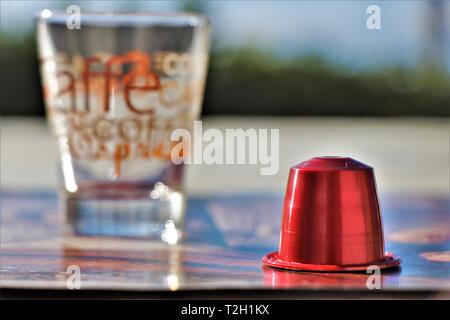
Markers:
point(115, 87)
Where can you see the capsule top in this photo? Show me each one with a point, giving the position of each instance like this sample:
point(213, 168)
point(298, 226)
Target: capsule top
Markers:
point(331, 163)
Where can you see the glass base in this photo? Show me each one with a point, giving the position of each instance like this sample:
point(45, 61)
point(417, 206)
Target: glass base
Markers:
point(157, 218)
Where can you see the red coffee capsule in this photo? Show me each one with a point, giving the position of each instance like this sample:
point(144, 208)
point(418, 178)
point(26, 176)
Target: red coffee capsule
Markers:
point(331, 219)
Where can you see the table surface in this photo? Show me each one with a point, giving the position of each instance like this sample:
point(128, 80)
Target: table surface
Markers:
point(233, 222)
point(410, 155)
point(226, 237)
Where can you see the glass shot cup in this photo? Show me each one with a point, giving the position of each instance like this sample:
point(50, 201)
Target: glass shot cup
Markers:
point(115, 87)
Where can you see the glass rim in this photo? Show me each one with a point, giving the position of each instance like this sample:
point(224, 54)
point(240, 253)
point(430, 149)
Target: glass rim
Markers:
point(127, 18)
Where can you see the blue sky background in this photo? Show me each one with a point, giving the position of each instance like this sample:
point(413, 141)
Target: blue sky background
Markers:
point(335, 30)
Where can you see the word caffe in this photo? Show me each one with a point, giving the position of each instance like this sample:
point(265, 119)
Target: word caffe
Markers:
point(142, 82)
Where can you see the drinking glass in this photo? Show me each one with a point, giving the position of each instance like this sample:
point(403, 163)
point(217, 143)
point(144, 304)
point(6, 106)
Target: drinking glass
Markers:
point(115, 88)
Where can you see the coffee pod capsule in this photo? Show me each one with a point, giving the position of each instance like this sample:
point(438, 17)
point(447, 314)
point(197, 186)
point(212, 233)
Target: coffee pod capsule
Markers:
point(331, 219)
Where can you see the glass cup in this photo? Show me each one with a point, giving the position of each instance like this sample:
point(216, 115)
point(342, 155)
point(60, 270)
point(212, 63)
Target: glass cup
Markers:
point(115, 88)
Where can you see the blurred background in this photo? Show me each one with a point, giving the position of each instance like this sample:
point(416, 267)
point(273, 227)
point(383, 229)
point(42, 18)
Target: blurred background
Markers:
point(279, 57)
point(310, 68)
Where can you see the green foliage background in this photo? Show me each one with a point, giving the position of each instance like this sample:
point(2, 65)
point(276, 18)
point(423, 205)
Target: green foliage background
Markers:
point(248, 81)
